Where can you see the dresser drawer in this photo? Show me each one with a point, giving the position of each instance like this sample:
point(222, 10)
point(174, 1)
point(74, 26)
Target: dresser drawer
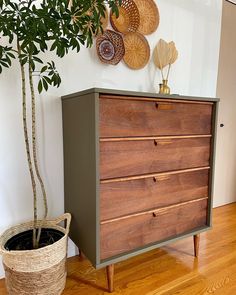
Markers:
point(128, 158)
point(124, 235)
point(122, 118)
point(137, 195)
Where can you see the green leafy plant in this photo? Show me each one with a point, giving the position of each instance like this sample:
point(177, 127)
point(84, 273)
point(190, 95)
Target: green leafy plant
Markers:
point(31, 28)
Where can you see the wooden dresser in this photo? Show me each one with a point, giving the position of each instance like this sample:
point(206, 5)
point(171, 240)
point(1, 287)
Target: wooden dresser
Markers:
point(138, 171)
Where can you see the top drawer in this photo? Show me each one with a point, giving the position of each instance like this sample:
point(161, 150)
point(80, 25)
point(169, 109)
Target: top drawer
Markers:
point(122, 117)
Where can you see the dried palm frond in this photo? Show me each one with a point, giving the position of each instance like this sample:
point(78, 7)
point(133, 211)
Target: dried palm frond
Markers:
point(173, 53)
point(165, 54)
point(161, 55)
point(173, 56)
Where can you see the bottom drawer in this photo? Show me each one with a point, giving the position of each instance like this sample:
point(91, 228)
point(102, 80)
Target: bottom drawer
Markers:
point(123, 235)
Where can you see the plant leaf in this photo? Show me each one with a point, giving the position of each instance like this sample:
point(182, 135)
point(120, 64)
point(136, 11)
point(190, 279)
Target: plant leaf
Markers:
point(40, 86)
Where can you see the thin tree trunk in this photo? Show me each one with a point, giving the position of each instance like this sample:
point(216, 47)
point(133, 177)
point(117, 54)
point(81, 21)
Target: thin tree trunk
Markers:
point(27, 146)
point(34, 145)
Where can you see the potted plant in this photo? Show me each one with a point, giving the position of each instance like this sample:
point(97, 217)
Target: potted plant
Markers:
point(34, 253)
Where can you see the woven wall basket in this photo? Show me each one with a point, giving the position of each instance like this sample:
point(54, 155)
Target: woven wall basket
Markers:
point(110, 47)
point(137, 51)
point(36, 272)
point(128, 19)
point(149, 16)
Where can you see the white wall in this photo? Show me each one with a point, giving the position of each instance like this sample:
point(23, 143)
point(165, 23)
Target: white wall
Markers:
point(195, 27)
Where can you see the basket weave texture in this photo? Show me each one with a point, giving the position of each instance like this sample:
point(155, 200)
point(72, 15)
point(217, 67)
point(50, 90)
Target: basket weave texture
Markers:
point(149, 16)
point(137, 51)
point(118, 50)
point(40, 271)
point(128, 19)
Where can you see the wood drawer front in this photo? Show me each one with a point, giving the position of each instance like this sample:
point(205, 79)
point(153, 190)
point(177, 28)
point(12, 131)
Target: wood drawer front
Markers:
point(128, 197)
point(128, 158)
point(128, 234)
point(122, 118)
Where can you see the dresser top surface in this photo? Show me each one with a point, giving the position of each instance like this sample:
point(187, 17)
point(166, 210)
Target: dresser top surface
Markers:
point(137, 94)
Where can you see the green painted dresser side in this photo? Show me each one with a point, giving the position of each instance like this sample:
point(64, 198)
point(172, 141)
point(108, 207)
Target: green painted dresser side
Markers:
point(80, 170)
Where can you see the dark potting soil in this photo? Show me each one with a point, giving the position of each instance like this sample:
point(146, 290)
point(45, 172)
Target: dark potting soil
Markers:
point(24, 240)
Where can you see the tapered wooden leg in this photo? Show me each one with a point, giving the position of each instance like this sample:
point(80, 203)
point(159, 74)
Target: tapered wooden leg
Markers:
point(110, 277)
point(196, 240)
point(81, 255)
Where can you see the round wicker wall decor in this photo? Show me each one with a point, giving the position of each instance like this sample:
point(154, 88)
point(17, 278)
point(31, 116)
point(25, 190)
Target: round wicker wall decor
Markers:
point(137, 51)
point(149, 16)
point(128, 20)
point(106, 50)
point(110, 47)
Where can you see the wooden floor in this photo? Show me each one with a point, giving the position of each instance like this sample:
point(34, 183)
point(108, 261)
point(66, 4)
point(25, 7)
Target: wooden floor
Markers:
point(170, 270)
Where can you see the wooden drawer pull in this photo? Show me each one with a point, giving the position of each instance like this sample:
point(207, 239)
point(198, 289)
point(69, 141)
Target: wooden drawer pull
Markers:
point(159, 213)
point(162, 142)
point(164, 107)
point(161, 178)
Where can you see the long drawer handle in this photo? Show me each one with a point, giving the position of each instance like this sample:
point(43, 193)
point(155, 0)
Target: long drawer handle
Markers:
point(162, 142)
point(160, 178)
point(164, 106)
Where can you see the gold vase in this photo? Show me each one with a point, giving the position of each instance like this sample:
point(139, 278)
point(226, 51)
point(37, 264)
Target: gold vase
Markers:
point(164, 88)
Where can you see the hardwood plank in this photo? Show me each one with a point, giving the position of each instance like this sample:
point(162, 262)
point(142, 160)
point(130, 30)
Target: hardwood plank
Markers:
point(170, 270)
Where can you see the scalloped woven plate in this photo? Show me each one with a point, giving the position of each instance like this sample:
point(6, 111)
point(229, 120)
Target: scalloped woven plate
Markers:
point(149, 16)
point(110, 47)
point(137, 51)
point(128, 20)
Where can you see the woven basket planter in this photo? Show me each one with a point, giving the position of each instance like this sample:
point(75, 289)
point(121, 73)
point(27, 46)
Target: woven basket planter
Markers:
point(36, 272)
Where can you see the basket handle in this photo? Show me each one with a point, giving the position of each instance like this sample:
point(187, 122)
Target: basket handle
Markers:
point(64, 217)
point(2, 250)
